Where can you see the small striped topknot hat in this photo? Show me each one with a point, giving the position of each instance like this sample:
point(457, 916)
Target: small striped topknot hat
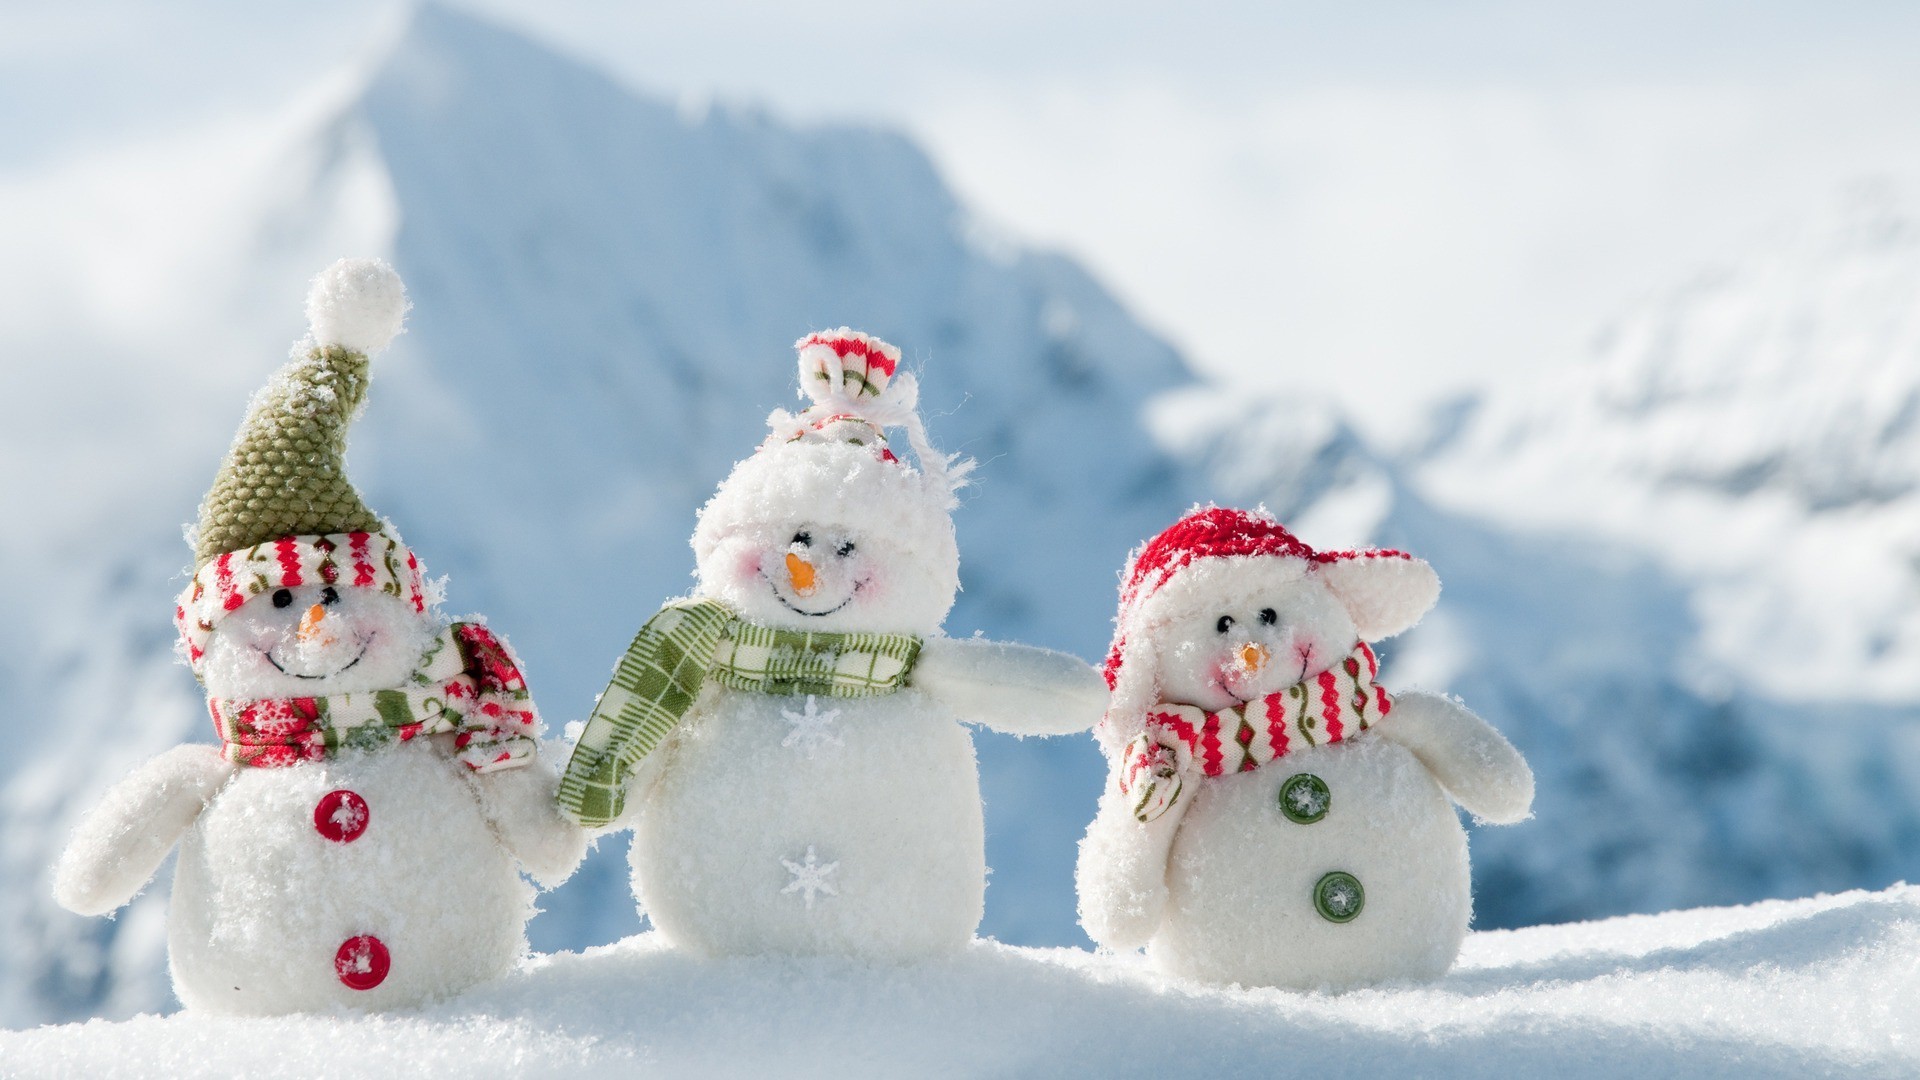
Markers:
point(281, 512)
point(858, 391)
point(847, 375)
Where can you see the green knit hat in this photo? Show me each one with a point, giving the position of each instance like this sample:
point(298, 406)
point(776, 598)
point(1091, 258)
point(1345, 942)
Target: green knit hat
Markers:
point(285, 474)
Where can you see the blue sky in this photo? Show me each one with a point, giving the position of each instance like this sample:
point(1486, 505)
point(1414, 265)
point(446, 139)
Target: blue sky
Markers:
point(1386, 202)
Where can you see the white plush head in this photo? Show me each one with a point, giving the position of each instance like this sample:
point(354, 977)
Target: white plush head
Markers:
point(824, 528)
point(1226, 606)
point(315, 640)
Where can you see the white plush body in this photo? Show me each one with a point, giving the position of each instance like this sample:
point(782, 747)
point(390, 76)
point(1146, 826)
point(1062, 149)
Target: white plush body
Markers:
point(1241, 875)
point(1222, 886)
point(262, 901)
point(889, 792)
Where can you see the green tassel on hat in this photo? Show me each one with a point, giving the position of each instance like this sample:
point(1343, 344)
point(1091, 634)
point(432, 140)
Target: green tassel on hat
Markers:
point(285, 474)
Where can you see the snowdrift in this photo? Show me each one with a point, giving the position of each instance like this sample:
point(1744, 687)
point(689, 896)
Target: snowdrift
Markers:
point(1782, 988)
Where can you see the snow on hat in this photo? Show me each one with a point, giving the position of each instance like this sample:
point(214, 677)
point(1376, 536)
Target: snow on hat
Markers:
point(281, 512)
point(1215, 555)
point(830, 464)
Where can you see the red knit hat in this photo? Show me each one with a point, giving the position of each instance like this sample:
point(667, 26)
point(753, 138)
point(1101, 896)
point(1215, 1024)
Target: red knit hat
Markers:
point(1385, 590)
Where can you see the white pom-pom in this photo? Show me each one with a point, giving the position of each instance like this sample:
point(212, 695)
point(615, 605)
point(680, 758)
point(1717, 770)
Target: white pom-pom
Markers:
point(359, 304)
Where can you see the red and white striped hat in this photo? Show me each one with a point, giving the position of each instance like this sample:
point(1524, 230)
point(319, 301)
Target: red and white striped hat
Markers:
point(1215, 555)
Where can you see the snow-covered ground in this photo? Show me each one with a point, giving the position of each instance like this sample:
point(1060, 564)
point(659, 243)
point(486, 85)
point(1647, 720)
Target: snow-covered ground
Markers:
point(1803, 988)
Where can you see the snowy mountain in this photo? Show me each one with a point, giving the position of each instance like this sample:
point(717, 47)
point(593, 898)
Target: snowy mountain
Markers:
point(1759, 428)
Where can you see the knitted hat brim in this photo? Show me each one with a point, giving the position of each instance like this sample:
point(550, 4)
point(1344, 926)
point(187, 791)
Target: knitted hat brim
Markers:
point(226, 582)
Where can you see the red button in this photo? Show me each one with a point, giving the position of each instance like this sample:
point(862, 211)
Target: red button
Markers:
point(341, 816)
point(362, 962)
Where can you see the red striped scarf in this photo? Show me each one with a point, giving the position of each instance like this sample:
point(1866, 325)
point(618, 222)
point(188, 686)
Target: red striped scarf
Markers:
point(1330, 707)
point(468, 685)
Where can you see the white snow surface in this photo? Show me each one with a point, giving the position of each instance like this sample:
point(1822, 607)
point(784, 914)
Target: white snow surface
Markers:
point(1803, 988)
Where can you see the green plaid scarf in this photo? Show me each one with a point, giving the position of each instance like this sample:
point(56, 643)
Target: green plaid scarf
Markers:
point(676, 652)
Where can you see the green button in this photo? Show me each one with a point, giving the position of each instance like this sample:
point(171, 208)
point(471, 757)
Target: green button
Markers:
point(1338, 897)
point(1304, 798)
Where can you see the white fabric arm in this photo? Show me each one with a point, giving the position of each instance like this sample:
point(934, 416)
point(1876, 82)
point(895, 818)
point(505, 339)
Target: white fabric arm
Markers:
point(521, 805)
point(1121, 877)
point(1014, 688)
point(119, 844)
point(1475, 763)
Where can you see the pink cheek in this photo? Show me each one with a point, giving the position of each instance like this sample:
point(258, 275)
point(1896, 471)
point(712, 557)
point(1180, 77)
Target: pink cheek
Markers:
point(1308, 653)
point(747, 565)
point(869, 586)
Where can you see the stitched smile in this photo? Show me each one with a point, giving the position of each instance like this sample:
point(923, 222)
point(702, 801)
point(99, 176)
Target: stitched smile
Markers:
point(813, 614)
point(328, 675)
point(803, 611)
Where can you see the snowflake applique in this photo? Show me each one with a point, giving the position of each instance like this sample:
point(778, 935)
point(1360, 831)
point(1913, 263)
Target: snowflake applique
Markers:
point(810, 877)
point(812, 728)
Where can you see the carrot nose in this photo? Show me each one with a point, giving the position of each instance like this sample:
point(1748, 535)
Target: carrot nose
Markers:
point(1253, 657)
point(310, 623)
point(800, 572)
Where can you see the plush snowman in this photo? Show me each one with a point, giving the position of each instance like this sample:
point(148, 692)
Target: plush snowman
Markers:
point(787, 743)
point(353, 841)
point(1274, 817)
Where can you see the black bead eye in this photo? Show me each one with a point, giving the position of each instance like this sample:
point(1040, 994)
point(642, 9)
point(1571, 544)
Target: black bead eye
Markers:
point(282, 597)
point(1268, 616)
point(845, 550)
point(1225, 624)
point(328, 596)
point(804, 539)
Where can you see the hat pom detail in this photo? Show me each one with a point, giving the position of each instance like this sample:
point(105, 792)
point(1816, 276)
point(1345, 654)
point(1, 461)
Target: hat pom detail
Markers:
point(357, 304)
point(845, 368)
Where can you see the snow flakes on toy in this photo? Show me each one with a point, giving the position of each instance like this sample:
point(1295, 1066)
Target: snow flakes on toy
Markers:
point(812, 728)
point(811, 877)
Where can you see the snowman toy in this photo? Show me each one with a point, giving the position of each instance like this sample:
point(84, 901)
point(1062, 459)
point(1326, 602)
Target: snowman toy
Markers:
point(356, 838)
point(1274, 817)
point(787, 743)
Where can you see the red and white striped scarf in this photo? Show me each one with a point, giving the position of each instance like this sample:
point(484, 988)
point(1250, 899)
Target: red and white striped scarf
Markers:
point(468, 685)
point(1330, 707)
